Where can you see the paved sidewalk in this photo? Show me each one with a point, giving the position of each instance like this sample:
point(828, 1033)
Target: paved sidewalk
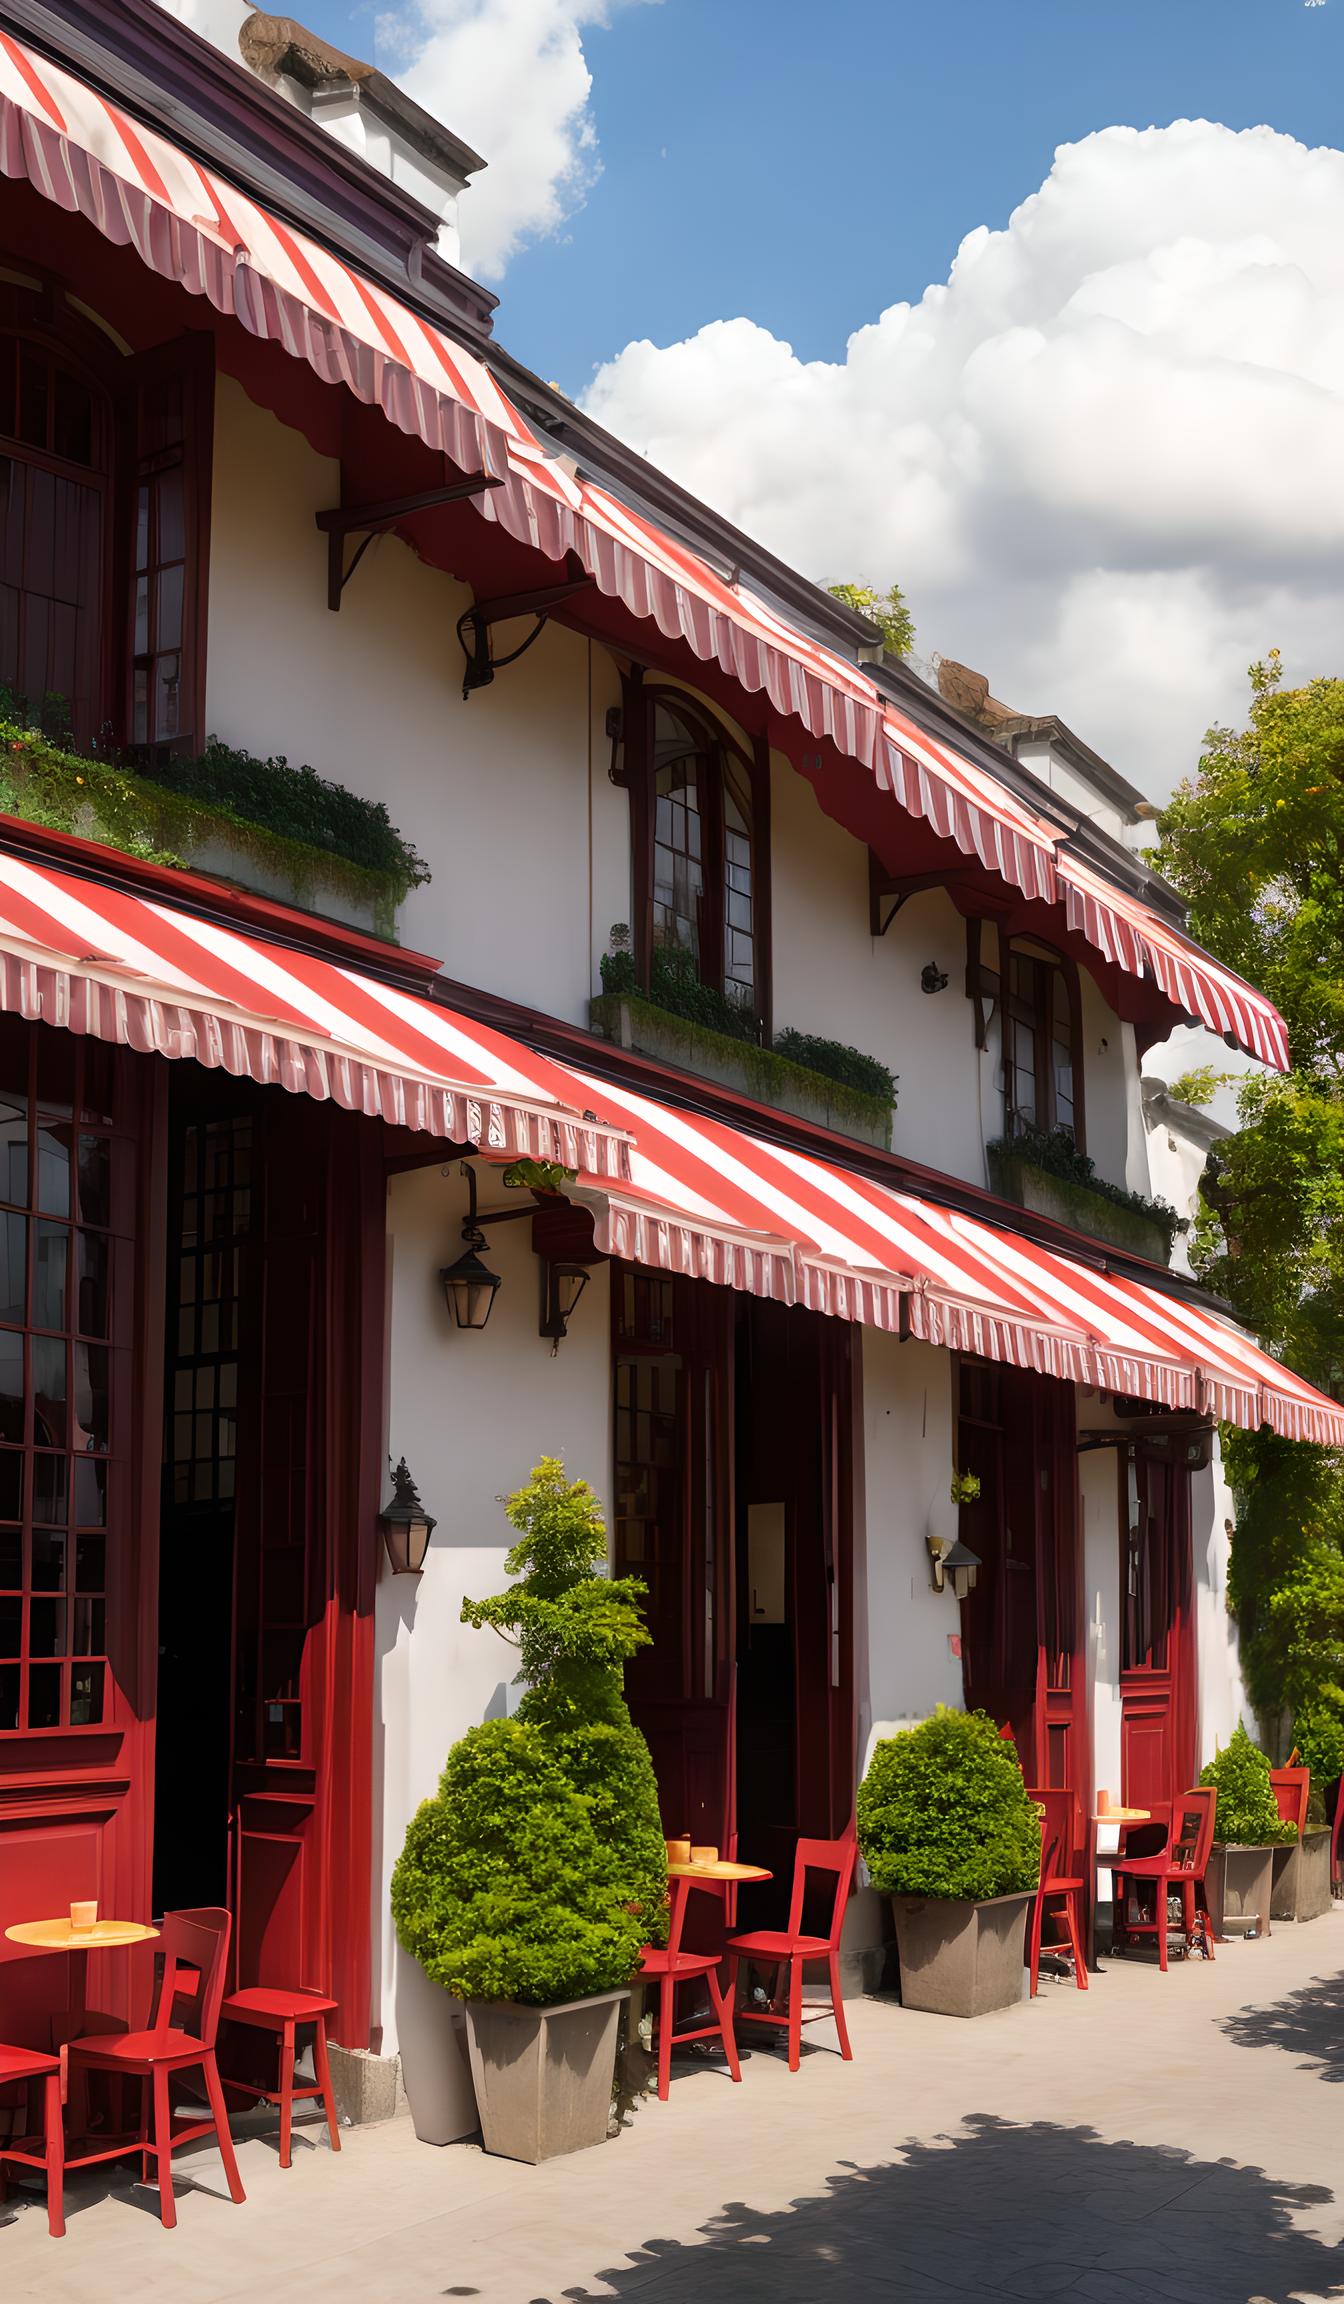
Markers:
point(1176, 2138)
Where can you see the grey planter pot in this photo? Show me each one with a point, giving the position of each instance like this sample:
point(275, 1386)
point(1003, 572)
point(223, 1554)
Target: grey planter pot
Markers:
point(1302, 1878)
point(543, 2076)
point(1239, 1887)
point(432, 2034)
point(960, 1959)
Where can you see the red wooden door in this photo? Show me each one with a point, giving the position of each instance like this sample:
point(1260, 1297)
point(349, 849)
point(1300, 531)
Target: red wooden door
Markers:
point(1157, 1680)
point(80, 1180)
point(673, 1375)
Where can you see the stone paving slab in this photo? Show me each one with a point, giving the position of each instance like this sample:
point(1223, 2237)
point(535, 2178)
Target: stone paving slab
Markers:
point(1175, 2140)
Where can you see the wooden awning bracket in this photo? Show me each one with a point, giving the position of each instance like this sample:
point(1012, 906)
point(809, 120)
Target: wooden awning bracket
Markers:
point(369, 520)
point(475, 624)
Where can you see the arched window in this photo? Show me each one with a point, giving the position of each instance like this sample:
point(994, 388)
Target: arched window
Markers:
point(700, 863)
point(55, 451)
point(1042, 1078)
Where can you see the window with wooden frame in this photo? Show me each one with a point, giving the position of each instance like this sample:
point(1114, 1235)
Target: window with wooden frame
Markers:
point(700, 812)
point(1042, 1071)
point(104, 500)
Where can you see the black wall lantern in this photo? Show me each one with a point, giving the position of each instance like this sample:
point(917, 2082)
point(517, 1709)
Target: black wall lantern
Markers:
point(561, 1287)
point(469, 1285)
point(953, 1563)
point(406, 1525)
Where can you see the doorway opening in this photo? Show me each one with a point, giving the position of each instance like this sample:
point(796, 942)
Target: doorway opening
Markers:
point(209, 1293)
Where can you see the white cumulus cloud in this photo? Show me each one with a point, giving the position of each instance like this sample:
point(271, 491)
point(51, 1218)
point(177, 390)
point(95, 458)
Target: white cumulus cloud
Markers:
point(1105, 458)
point(512, 79)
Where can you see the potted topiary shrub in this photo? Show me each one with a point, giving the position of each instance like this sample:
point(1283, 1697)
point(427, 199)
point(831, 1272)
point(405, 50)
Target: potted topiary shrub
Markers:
point(949, 1832)
point(1239, 1884)
point(530, 1883)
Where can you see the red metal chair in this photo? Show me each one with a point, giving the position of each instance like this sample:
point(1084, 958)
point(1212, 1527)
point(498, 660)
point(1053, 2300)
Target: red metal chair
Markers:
point(1336, 1869)
point(789, 1948)
point(264, 2008)
point(672, 1967)
point(1292, 1792)
point(28, 2064)
point(1179, 1864)
point(1056, 1888)
point(193, 1951)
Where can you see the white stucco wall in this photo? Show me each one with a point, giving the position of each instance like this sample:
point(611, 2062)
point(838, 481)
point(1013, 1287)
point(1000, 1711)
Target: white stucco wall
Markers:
point(371, 697)
point(471, 1413)
point(905, 1665)
point(1222, 1698)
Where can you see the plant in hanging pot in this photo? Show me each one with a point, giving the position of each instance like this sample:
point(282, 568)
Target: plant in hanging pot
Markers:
point(530, 1883)
point(1239, 1884)
point(949, 1832)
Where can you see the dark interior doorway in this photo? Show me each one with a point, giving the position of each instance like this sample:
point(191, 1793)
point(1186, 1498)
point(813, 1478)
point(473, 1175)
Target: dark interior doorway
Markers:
point(211, 1221)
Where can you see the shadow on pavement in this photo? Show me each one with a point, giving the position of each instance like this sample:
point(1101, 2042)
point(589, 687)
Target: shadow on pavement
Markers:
point(1002, 2210)
point(1309, 2023)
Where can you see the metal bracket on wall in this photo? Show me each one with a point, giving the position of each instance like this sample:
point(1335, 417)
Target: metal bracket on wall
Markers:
point(475, 623)
point(369, 520)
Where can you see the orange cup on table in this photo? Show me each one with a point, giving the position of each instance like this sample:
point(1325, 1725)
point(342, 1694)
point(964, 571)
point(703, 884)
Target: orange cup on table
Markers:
point(678, 1851)
point(83, 1918)
point(704, 1855)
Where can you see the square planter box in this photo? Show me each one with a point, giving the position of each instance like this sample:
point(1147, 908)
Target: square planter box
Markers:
point(543, 2076)
point(960, 1959)
point(1302, 1878)
point(1075, 1204)
point(1239, 1887)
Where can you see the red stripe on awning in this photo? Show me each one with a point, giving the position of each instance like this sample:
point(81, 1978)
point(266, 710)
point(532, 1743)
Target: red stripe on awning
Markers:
point(89, 958)
point(292, 290)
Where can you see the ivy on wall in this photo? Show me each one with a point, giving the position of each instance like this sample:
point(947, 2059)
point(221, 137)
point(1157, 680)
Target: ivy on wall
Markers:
point(1054, 1152)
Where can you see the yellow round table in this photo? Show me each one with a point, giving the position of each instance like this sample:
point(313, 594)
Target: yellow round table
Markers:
point(60, 1936)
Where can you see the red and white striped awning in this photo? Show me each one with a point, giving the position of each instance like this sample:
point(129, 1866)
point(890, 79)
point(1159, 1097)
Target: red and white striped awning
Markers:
point(715, 1203)
point(192, 226)
point(89, 958)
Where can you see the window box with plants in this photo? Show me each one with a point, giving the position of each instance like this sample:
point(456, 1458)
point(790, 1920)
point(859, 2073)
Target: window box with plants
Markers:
point(275, 830)
point(530, 1883)
point(679, 1020)
point(1248, 1828)
point(950, 1833)
point(1046, 1172)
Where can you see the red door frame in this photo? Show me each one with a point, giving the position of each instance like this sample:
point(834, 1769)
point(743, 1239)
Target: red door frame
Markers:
point(1158, 1659)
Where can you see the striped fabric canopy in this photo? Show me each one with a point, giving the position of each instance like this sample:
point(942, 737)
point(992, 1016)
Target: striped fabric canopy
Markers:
point(718, 1204)
point(77, 953)
point(193, 226)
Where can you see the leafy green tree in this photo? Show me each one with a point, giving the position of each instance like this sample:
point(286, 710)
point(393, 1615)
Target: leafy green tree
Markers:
point(1248, 1815)
point(885, 609)
point(943, 1811)
point(1256, 844)
point(538, 1871)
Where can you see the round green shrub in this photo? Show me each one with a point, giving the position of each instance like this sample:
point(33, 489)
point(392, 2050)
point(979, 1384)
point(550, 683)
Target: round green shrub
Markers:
point(943, 1811)
point(1248, 1815)
point(505, 1889)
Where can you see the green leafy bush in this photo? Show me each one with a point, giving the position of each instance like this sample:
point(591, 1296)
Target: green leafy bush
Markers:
point(296, 804)
point(943, 1811)
point(1055, 1153)
point(1247, 1815)
point(835, 1061)
point(538, 1871)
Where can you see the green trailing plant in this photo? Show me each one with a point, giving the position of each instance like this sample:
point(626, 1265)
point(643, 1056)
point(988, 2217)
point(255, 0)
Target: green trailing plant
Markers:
point(943, 1812)
point(312, 832)
point(1248, 1816)
point(538, 1870)
point(1054, 1152)
point(885, 609)
point(1286, 1588)
point(674, 986)
point(965, 1488)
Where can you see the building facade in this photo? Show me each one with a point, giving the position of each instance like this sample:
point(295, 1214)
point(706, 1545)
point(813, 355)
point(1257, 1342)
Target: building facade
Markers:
point(268, 478)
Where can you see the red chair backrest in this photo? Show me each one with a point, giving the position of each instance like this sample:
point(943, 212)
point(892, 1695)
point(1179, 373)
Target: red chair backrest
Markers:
point(1292, 1791)
point(1191, 1835)
point(1057, 1804)
point(191, 1965)
point(836, 1856)
point(1335, 1832)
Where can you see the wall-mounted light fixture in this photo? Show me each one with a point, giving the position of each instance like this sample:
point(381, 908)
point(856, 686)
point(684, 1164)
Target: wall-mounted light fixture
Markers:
point(561, 1287)
point(932, 977)
point(954, 1562)
point(469, 1285)
point(405, 1524)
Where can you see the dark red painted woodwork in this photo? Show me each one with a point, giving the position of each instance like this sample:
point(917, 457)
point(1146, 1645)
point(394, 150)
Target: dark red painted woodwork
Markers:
point(1157, 1658)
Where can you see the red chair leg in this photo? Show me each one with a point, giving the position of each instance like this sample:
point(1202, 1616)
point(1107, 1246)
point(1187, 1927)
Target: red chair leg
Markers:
point(1075, 1938)
point(55, 2143)
point(322, 2069)
point(1160, 1916)
point(723, 2010)
point(163, 2146)
point(838, 2008)
point(667, 2001)
point(224, 2140)
point(286, 2092)
point(795, 2014)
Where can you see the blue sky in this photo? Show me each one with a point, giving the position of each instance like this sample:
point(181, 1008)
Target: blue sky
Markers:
point(807, 165)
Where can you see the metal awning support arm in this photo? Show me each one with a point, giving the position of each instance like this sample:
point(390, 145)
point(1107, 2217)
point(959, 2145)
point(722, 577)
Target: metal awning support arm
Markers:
point(369, 520)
